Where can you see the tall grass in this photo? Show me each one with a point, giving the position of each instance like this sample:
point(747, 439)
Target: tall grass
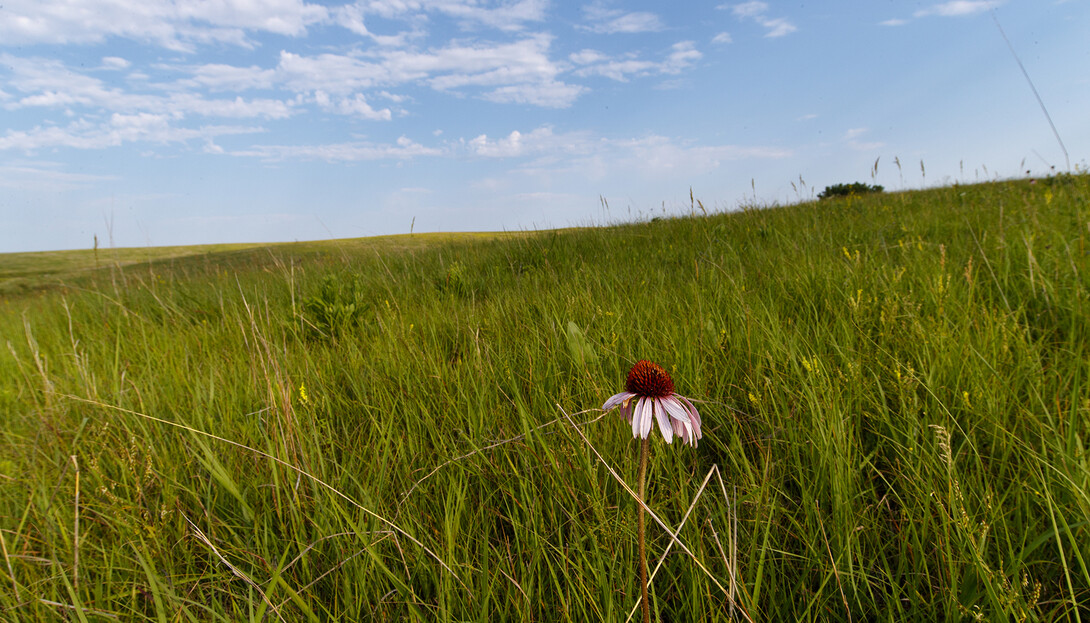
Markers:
point(894, 389)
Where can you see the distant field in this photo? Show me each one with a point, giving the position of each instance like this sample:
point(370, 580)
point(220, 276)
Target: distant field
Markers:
point(20, 272)
point(895, 390)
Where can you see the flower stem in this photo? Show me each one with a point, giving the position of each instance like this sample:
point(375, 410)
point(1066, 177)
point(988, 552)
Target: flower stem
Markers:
point(645, 447)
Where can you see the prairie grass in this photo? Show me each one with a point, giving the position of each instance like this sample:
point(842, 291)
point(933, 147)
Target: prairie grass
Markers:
point(895, 391)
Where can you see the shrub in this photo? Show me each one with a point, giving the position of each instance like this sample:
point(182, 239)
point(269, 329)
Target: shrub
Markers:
point(847, 190)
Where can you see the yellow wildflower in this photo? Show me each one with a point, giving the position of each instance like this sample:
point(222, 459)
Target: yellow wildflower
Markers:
point(303, 397)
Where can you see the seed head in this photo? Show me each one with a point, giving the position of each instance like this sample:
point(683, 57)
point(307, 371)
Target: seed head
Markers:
point(649, 379)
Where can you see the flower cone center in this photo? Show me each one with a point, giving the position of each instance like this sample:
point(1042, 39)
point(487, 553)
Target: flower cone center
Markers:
point(649, 379)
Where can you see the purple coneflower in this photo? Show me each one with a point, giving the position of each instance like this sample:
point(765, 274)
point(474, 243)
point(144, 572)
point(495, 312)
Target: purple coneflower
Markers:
point(649, 391)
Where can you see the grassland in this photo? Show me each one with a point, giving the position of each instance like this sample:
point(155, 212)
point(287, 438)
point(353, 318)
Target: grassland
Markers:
point(894, 389)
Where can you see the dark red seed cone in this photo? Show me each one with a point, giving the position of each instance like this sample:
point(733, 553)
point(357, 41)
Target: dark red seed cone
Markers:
point(649, 379)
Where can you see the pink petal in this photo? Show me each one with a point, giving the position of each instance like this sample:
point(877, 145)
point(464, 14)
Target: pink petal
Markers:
point(637, 415)
point(675, 408)
point(626, 410)
point(694, 417)
point(680, 430)
point(664, 421)
point(648, 415)
point(616, 399)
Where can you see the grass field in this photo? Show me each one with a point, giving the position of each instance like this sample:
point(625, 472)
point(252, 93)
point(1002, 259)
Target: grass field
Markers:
point(895, 393)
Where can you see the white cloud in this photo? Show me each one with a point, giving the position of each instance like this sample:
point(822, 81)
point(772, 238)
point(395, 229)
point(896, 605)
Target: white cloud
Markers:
point(581, 155)
point(539, 141)
point(758, 12)
point(620, 70)
point(749, 9)
point(340, 152)
point(612, 21)
point(682, 56)
point(520, 62)
point(283, 17)
point(520, 71)
point(332, 73)
point(220, 77)
point(585, 57)
point(174, 25)
point(659, 156)
point(358, 106)
point(547, 95)
point(854, 133)
point(723, 37)
point(507, 16)
point(45, 177)
point(778, 27)
point(952, 8)
point(957, 8)
point(119, 129)
point(47, 83)
point(115, 63)
point(191, 104)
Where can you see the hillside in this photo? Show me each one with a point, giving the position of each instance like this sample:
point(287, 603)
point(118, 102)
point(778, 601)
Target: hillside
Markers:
point(895, 394)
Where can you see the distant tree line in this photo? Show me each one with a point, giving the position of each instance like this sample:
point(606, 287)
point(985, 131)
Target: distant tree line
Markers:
point(847, 190)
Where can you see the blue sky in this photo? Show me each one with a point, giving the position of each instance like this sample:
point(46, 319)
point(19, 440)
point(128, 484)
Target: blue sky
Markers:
point(163, 122)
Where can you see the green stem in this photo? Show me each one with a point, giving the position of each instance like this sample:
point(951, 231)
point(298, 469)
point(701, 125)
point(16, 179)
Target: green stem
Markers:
point(645, 604)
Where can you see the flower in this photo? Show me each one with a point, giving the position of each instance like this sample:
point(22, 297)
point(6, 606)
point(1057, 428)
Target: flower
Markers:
point(649, 391)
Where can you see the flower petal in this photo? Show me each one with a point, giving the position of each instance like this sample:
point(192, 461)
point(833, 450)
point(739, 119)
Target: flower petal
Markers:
point(646, 416)
point(626, 410)
point(617, 399)
point(675, 408)
point(694, 417)
point(637, 417)
point(664, 420)
point(690, 436)
point(680, 429)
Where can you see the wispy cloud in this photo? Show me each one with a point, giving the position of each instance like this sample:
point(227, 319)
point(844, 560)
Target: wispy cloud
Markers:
point(953, 8)
point(519, 71)
point(118, 130)
point(682, 55)
point(957, 8)
point(661, 156)
point(852, 136)
point(182, 26)
point(115, 63)
point(471, 14)
point(758, 12)
point(551, 94)
point(403, 149)
point(552, 156)
point(46, 176)
point(185, 100)
point(47, 83)
point(355, 105)
point(538, 141)
point(173, 25)
point(604, 20)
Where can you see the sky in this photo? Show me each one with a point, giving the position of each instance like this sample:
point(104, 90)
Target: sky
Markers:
point(177, 122)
